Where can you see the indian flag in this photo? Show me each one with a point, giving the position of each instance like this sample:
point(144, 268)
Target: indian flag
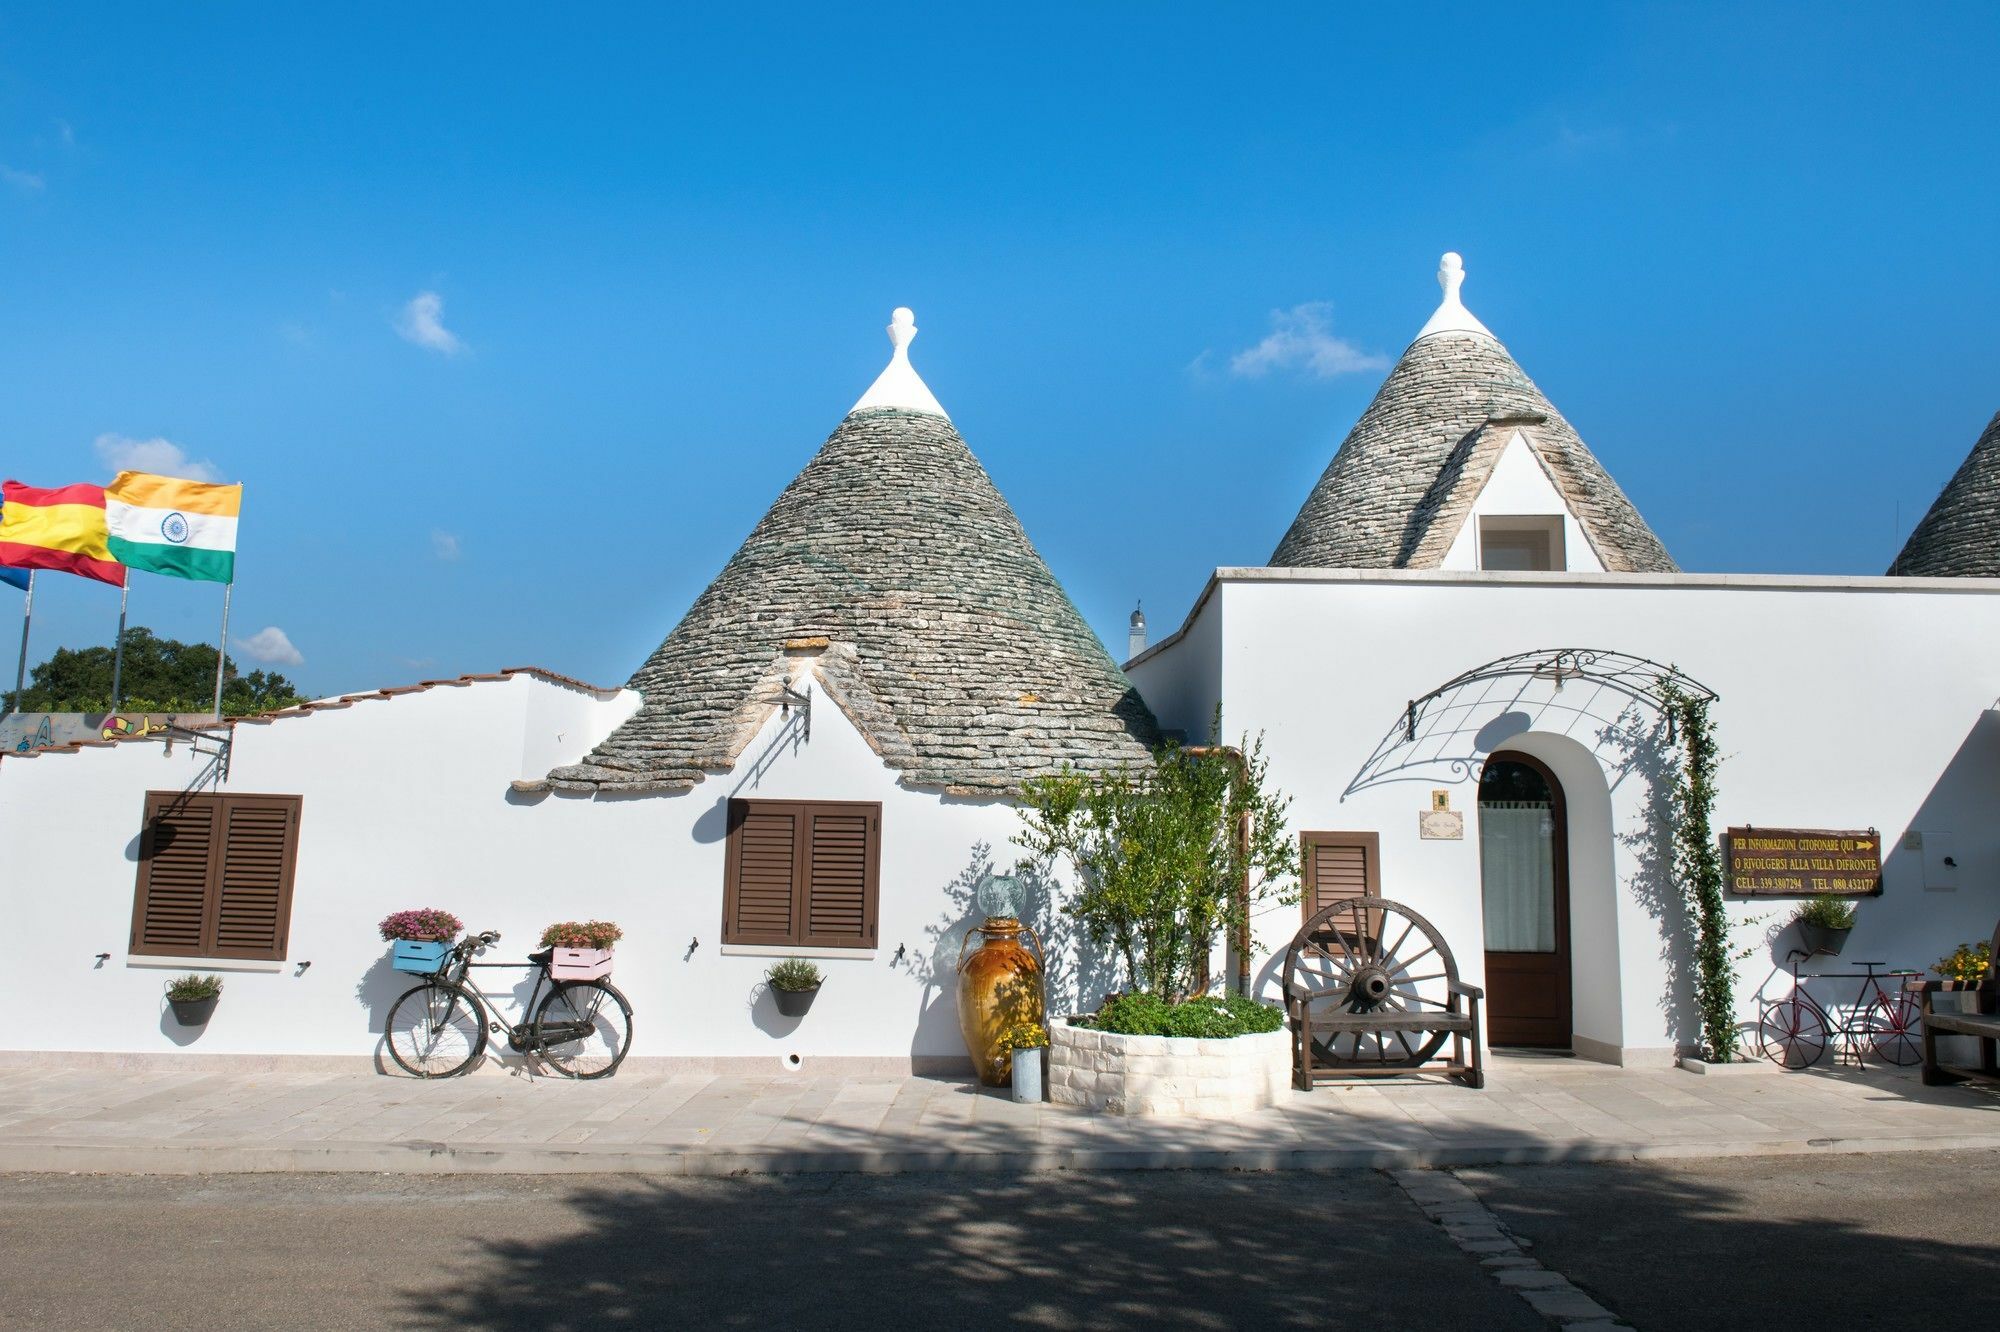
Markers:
point(168, 526)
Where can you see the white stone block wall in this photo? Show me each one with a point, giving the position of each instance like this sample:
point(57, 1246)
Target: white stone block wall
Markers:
point(1167, 1075)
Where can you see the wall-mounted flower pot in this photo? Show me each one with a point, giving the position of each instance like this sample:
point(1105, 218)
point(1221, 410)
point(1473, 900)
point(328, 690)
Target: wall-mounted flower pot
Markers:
point(794, 1003)
point(580, 964)
point(1823, 940)
point(193, 1012)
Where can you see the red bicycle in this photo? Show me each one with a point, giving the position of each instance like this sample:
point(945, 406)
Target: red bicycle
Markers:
point(1793, 1032)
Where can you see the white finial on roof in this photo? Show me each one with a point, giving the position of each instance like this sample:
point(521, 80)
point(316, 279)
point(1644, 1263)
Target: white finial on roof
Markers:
point(1451, 315)
point(899, 384)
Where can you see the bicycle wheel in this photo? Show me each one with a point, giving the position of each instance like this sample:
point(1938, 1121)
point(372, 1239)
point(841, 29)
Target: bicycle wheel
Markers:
point(435, 1030)
point(583, 1029)
point(1896, 1029)
point(1791, 1033)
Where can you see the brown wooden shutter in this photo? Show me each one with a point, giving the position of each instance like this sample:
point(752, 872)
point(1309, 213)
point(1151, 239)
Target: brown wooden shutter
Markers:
point(761, 882)
point(1339, 866)
point(215, 876)
point(802, 874)
point(844, 869)
point(253, 899)
point(177, 848)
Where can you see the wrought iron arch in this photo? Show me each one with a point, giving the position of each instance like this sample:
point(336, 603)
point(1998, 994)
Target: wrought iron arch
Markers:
point(1638, 678)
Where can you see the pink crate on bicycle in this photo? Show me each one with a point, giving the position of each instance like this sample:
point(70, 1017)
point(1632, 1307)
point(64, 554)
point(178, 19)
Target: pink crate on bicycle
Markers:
point(580, 964)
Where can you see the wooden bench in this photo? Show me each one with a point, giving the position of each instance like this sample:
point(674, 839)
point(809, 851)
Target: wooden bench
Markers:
point(1983, 1025)
point(1372, 990)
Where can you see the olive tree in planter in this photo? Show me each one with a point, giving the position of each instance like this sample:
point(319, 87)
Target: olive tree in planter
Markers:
point(1167, 860)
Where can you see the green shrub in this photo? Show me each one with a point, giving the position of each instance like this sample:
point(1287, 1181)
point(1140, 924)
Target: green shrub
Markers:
point(189, 988)
point(794, 973)
point(1211, 1016)
point(1828, 913)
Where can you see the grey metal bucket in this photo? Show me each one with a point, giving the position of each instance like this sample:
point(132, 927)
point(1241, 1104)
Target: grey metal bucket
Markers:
point(1028, 1076)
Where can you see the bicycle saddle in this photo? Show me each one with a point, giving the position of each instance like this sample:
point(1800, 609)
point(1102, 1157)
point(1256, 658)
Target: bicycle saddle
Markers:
point(542, 958)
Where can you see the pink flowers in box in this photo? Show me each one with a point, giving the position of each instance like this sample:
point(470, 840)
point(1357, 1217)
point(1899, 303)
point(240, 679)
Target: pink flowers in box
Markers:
point(428, 925)
point(582, 948)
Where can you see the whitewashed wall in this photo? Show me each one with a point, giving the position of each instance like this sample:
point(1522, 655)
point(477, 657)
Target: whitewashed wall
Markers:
point(407, 803)
point(1844, 704)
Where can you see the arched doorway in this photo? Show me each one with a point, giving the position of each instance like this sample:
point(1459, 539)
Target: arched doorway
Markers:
point(1524, 889)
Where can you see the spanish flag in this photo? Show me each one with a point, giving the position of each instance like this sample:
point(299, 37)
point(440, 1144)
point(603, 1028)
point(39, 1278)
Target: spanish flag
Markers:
point(62, 529)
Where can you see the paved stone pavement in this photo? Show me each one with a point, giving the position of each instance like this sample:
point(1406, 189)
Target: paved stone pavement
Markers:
point(1533, 1111)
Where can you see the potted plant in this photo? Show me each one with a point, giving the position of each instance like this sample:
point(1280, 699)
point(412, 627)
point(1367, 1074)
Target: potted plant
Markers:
point(1824, 923)
point(793, 983)
point(581, 948)
point(193, 998)
point(1027, 1041)
point(419, 939)
point(1964, 967)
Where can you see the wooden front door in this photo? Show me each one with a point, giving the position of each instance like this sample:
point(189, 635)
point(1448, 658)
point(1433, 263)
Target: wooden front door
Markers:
point(1524, 882)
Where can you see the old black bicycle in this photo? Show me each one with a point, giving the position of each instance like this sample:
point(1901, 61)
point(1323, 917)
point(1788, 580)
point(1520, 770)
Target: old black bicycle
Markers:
point(581, 1028)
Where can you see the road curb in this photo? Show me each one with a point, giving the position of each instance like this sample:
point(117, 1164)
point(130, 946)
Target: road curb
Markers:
point(420, 1157)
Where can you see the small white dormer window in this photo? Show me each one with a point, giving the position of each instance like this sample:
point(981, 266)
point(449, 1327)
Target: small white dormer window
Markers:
point(1513, 544)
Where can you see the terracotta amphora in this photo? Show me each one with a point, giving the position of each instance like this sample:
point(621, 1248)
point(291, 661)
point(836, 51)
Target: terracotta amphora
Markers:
point(999, 988)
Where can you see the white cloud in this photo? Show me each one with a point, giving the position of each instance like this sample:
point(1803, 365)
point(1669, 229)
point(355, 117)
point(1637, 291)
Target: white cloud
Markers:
point(1301, 339)
point(422, 322)
point(444, 545)
point(122, 453)
point(27, 182)
point(269, 644)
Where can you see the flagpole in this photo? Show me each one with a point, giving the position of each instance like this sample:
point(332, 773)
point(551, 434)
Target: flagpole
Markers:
point(118, 655)
point(222, 652)
point(27, 616)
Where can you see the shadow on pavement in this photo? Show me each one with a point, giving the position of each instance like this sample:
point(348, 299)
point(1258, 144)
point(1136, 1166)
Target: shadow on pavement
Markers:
point(1837, 1241)
point(1186, 1250)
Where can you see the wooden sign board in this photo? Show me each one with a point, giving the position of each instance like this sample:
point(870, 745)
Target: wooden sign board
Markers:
point(1802, 862)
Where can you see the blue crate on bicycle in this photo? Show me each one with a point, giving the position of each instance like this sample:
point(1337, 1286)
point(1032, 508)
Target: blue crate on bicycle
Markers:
point(419, 955)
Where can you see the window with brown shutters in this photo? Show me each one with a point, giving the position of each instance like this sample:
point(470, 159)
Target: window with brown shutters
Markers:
point(1338, 866)
point(215, 876)
point(802, 874)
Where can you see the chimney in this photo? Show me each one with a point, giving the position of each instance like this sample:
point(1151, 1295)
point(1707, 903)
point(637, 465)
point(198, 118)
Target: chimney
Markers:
point(1135, 637)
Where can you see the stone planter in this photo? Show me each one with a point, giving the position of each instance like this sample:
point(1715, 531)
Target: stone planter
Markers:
point(1167, 1075)
point(1743, 1067)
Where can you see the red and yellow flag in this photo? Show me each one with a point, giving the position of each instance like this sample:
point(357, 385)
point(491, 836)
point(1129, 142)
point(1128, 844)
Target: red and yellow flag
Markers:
point(61, 528)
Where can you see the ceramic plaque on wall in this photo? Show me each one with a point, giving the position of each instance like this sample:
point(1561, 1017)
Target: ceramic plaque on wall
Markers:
point(1441, 825)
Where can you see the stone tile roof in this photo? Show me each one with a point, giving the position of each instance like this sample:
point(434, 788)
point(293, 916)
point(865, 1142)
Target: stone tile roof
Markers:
point(1960, 536)
point(893, 566)
point(1398, 489)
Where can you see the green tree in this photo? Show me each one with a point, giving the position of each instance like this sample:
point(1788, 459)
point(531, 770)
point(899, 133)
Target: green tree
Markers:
point(161, 675)
point(1167, 859)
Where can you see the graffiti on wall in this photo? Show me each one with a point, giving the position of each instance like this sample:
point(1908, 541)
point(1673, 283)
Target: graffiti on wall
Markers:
point(25, 732)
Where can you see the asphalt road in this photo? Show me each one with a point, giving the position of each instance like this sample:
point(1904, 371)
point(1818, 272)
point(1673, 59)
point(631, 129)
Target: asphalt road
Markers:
point(1778, 1243)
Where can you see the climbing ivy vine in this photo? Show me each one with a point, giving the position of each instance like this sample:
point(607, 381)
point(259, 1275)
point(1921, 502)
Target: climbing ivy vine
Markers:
point(1698, 869)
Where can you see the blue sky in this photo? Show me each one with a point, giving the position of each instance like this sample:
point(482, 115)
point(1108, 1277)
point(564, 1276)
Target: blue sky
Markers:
point(1747, 250)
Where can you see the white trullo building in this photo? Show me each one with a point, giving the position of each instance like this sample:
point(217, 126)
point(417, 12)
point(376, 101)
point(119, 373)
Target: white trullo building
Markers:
point(1469, 618)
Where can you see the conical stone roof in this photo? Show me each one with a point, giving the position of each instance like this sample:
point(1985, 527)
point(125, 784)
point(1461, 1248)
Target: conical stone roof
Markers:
point(1400, 472)
point(1960, 536)
point(893, 575)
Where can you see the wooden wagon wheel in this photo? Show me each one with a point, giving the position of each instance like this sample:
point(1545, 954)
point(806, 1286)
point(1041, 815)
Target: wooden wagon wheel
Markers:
point(1369, 955)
